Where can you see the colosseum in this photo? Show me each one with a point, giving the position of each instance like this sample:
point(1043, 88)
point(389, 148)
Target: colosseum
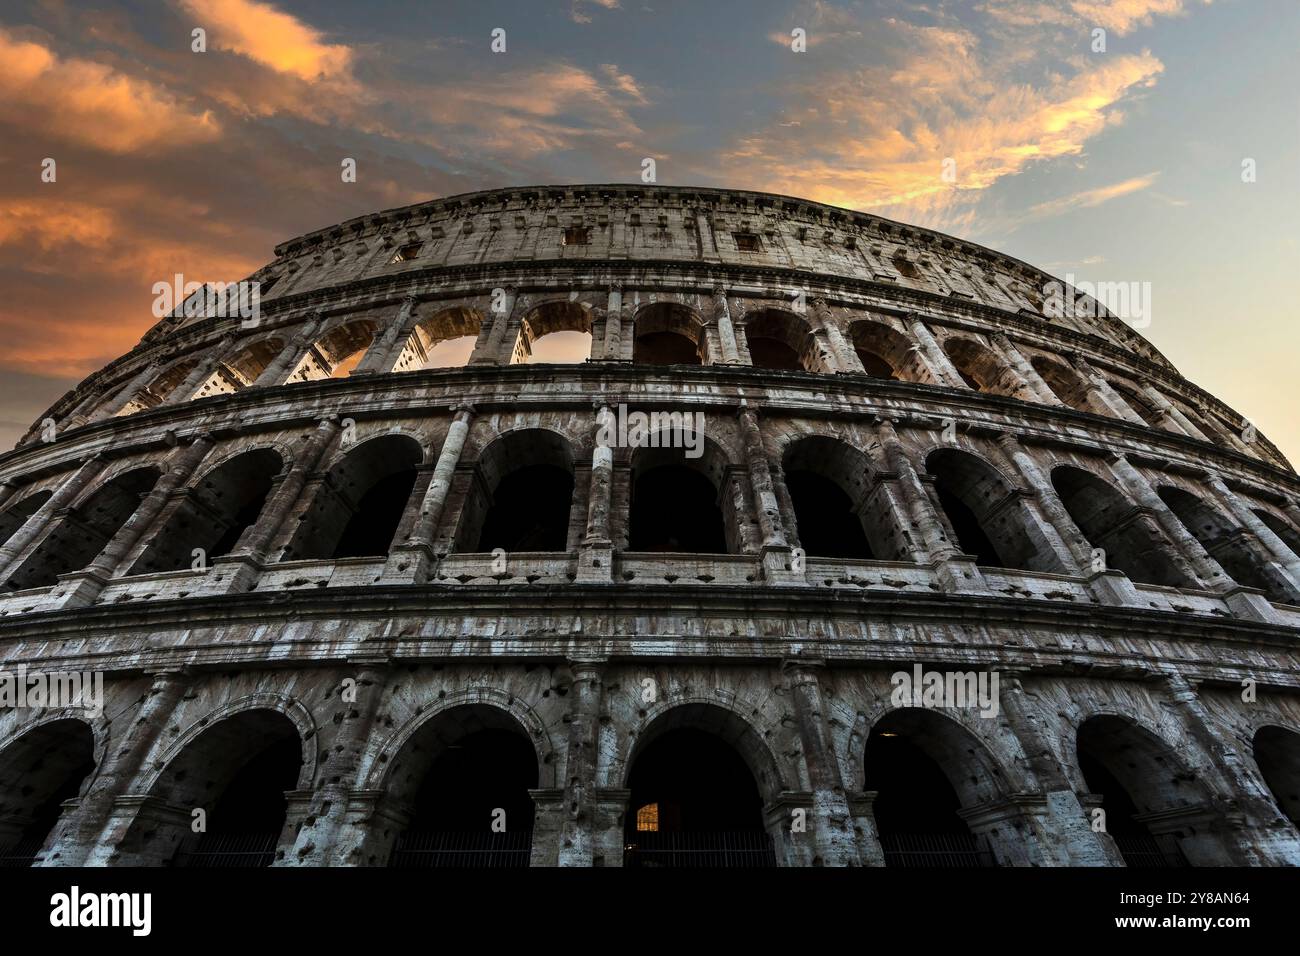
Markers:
point(384, 576)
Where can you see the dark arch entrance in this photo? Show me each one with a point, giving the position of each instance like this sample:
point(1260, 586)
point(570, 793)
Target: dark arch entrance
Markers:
point(1157, 812)
point(1277, 752)
point(924, 769)
point(522, 499)
point(694, 803)
point(463, 782)
point(38, 772)
point(828, 526)
point(668, 334)
point(675, 508)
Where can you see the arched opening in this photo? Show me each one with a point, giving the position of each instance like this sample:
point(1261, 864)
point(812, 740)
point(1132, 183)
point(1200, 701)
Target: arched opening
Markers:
point(566, 327)
point(462, 783)
point(157, 391)
point(1283, 529)
point(522, 498)
point(1225, 542)
point(925, 769)
point(214, 513)
point(1065, 383)
point(1129, 537)
point(336, 353)
point(985, 516)
point(237, 772)
point(981, 368)
point(444, 340)
point(695, 800)
point(778, 339)
point(669, 334)
point(1277, 753)
point(16, 515)
point(240, 371)
point(361, 501)
point(38, 772)
point(834, 517)
point(676, 501)
point(887, 353)
point(77, 538)
point(1156, 810)
point(1139, 403)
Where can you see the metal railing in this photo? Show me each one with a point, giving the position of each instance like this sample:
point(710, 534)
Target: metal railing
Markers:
point(722, 849)
point(1143, 850)
point(21, 854)
point(221, 850)
point(935, 851)
point(438, 849)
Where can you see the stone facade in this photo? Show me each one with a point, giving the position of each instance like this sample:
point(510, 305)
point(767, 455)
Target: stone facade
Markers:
point(1044, 498)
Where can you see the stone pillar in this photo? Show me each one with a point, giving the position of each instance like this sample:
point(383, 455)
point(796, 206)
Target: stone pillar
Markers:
point(934, 357)
point(201, 372)
point(123, 395)
point(8, 488)
point(1027, 374)
point(577, 844)
point(834, 838)
point(287, 361)
point(614, 325)
point(412, 560)
point(775, 548)
point(726, 332)
point(596, 554)
point(379, 358)
point(488, 350)
point(82, 587)
point(737, 488)
point(1282, 560)
point(39, 523)
point(846, 356)
point(1078, 548)
point(1105, 397)
point(1170, 412)
point(86, 837)
point(1257, 834)
point(317, 842)
point(1066, 837)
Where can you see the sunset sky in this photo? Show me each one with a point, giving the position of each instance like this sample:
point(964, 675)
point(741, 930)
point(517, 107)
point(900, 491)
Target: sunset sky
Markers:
point(1123, 165)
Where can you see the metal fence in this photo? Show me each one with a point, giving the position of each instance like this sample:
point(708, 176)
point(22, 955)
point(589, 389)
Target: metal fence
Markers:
point(950, 851)
point(735, 849)
point(1142, 850)
point(436, 849)
point(229, 850)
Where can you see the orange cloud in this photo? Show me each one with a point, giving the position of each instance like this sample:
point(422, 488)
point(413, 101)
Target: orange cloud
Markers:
point(275, 39)
point(1091, 197)
point(87, 102)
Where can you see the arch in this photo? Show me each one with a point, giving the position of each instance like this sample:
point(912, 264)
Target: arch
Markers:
point(699, 776)
point(887, 353)
point(1157, 810)
point(779, 339)
point(985, 514)
point(336, 353)
point(251, 361)
point(829, 485)
point(926, 769)
point(235, 765)
point(980, 367)
point(1139, 403)
point(522, 496)
point(1225, 542)
point(1128, 536)
point(214, 512)
point(75, 539)
point(358, 506)
point(668, 333)
point(16, 515)
point(1285, 531)
point(1066, 384)
point(569, 320)
point(1277, 754)
point(443, 340)
point(160, 389)
point(40, 768)
point(677, 501)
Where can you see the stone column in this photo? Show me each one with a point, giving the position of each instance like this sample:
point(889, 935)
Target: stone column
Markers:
point(8, 488)
point(1025, 371)
point(123, 395)
point(317, 842)
point(577, 844)
point(1285, 563)
point(1102, 395)
point(834, 839)
point(412, 560)
point(379, 357)
point(726, 332)
point(614, 324)
point(1078, 547)
point(596, 554)
point(934, 357)
point(1066, 837)
point(1170, 412)
point(201, 372)
point(87, 833)
point(846, 356)
point(287, 361)
point(775, 548)
point(488, 352)
point(81, 588)
point(40, 521)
